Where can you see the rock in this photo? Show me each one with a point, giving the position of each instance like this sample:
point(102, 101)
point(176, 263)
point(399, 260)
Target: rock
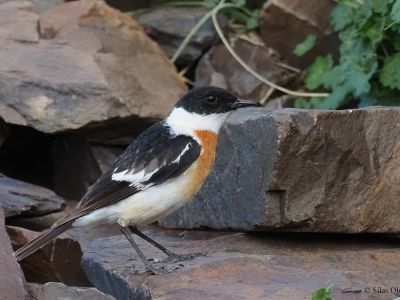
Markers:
point(75, 167)
point(219, 62)
point(240, 266)
point(38, 5)
point(92, 68)
point(302, 170)
point(11, 278)
point(4, 132)
point(286, 23)
point(19, 198)
point(18, 22)
point(53, 290)
point(57, 261)
point(105, 156)
point(169, 26)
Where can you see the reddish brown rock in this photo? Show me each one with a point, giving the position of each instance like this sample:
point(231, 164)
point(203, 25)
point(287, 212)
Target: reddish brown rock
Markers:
point(57, 261)
point(92, 68)
point(218, 67)
point(240, 266)
point(11, 278)
point(55, 290)
point(286, 23)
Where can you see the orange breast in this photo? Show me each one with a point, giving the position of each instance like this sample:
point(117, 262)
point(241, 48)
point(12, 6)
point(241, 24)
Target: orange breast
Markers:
point(205, 162)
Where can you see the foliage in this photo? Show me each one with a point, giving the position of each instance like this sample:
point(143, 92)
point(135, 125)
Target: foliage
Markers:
point(368, 72)
point(305, 46)
point(324, 293)
point(238, 10)
point(244, 12)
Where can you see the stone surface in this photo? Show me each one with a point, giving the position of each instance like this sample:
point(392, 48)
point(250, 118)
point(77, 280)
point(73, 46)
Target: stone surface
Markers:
point(59, 291)
point(219, 62)
point(240, 266)
point(93, 67)
point(75, 167)
point(302, 170)
point(11, 278)
point(38, 5)
point(19, 198)
point(168, 26)
point(286, 23)
point(57, 261)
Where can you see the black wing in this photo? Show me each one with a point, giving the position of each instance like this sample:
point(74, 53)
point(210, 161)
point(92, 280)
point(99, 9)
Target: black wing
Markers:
point(152, 158)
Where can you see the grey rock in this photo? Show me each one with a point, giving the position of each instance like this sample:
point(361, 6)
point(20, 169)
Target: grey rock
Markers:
point(19, 198)
point(11, 278)
point(86, 72)
point(240, 266)
point(39, 5)
point(59, 291)
point(169, 26)
point(218, 62)
point(286, 23)
point(302, 170)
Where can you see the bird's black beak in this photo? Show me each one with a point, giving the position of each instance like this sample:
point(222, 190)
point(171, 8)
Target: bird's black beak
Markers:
point(243, 103)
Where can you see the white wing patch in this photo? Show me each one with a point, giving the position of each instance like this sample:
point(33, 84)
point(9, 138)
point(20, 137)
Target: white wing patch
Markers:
point(137, 179)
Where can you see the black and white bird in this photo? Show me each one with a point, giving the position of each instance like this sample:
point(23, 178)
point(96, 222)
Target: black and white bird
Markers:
point(161, 170)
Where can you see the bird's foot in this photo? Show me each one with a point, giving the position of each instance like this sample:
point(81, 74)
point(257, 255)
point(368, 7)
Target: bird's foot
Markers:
point(164, 270)
point(183, 257)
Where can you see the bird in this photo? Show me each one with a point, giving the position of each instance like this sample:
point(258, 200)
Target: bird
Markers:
point(160, 171)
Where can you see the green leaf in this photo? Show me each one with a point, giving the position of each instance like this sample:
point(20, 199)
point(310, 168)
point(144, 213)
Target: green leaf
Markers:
point(306, 45)
point(389, 76)
point(323, 294)
point(302, 103)
point(251, 23)
point(239, 2)
point(395, 12)
point(366, 100)
point(321, 65)
point(341, 16)
point(374, 30)
point(337, 98)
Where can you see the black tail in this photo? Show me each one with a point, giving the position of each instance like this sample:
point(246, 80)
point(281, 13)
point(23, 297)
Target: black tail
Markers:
point(41, 240)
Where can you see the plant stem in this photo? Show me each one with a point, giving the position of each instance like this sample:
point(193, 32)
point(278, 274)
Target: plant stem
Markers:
point(196, 28)
point(250, 70)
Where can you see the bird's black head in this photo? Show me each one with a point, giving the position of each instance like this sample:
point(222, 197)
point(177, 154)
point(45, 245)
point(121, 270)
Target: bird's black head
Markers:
point(211, 100)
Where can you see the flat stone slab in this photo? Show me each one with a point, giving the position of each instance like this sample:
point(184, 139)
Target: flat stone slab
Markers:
point(244, 266)
point(12, 280)
point(20, 198)
point(55, 290)
point(302, 170)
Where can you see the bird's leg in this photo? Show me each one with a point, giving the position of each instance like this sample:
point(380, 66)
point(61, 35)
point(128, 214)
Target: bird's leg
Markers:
point(153, 242)
point(126, 231)
point(170, 254)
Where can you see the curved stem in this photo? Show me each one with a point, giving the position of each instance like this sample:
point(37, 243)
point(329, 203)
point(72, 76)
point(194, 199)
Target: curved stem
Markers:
point(251, 71)
point(196, 28)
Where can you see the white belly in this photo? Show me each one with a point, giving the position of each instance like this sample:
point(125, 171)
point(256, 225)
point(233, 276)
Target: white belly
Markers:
point(145, 206)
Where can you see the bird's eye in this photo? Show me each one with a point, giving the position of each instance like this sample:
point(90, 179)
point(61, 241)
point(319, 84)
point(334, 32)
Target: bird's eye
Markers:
point(211, 100)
